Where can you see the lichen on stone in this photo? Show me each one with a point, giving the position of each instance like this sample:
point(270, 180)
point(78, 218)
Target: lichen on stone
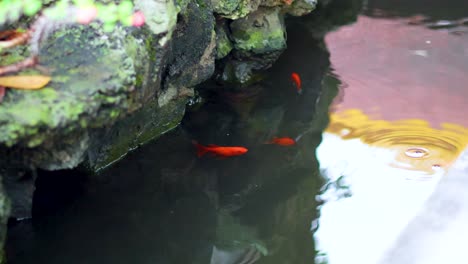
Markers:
point(301, 7)
point(223, 43)
point(235, 9)
point(261, 32)
point(161, 16)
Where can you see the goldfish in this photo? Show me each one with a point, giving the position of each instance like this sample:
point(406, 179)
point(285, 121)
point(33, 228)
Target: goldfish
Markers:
point(297, 81)
point(284, 141)
point(221, 151)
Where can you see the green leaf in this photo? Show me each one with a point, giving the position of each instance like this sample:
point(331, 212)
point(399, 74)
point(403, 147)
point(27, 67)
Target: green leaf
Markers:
point(127, 21)
point(108, 27)
point(83, 3)
point(32, 7)
point(15, 10)
point(124, 9)
point(107, 14)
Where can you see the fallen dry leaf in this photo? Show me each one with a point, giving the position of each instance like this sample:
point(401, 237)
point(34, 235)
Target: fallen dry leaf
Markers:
point(27, 82)
point(11, 38)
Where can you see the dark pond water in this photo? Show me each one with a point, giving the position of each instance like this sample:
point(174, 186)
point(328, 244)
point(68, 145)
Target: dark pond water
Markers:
point(163, 204)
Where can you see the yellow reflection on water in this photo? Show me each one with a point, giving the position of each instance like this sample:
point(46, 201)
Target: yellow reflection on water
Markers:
point(416, 144)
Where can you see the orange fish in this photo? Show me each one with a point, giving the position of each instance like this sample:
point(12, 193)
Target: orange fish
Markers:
point(284, 141)
point(297, 81)
point(220, 151)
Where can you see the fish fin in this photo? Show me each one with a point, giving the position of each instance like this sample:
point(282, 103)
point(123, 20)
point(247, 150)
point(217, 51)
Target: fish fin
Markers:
point(298, 137)
point(201, 150)
point(299, 91)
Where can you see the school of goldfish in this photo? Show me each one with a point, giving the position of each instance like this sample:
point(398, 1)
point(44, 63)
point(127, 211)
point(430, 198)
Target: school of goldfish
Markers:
point(232, 151)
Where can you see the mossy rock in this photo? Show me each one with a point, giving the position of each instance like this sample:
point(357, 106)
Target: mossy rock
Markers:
point(99, 79)
point(261, 32)
point(235, 9)
point(92, 80)
point(223, 44)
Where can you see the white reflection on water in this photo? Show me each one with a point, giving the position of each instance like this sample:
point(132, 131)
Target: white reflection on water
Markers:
point(367, 202)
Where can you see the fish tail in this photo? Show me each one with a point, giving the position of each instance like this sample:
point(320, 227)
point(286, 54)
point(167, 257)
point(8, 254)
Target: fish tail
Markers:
point(201, 150)
point(270, 141)
point(299, 91)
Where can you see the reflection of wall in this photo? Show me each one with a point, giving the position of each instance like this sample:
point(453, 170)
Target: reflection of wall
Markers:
point(397, 126)
point(448, 9)
point(396, 71)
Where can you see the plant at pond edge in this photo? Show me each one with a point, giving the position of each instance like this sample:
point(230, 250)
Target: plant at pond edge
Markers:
point(81, 11)
point(50, 18)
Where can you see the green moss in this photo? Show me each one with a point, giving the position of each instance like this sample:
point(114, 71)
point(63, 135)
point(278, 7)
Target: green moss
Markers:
point(226, 7)
point(93, 78)
point(261, 32)
point(235, 9)
point(42, 108)
point(14, 55)
point(223, 44)
point(223, 48)
point(259, 41)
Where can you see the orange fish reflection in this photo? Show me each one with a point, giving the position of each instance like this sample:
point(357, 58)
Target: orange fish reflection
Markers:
point(284, 141)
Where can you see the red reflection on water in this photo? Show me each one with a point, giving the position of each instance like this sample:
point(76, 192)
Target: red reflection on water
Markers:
point(394, 71)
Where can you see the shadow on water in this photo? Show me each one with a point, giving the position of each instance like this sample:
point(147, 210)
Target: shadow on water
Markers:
point(162, 204)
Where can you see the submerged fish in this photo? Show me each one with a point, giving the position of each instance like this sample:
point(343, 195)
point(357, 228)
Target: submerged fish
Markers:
point(284, 141)
point(221, 151)
point(297, 81)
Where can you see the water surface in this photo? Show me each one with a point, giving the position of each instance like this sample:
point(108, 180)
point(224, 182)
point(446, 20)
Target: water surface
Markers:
point(397, 127)
point(394, 79)
point(163, 204)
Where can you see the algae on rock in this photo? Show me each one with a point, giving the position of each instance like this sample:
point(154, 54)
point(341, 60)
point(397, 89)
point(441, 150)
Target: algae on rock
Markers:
point(223, 43)
point(258, 40)
point(235, 9)
point(261, 32)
